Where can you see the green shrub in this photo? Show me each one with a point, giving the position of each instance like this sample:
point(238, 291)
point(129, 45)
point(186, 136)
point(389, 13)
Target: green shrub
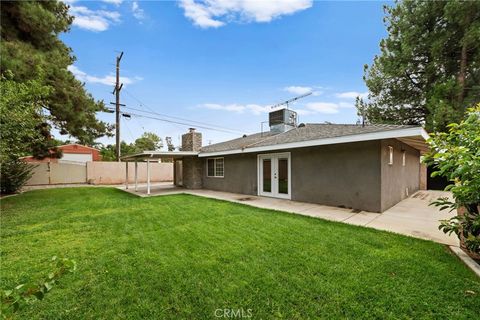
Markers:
point(14, 174)
point(456, 155)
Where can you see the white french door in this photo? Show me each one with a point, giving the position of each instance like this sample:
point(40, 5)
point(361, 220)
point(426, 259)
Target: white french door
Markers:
point(274, 175)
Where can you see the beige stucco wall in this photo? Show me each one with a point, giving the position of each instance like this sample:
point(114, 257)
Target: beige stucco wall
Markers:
point(104, 172)
point(40, 174)
point(398, 181)
point(61, 173)
point(58, 173)
point(98, 172)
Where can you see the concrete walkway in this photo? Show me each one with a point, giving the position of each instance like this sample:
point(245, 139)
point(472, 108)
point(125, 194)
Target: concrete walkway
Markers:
point(412, 216)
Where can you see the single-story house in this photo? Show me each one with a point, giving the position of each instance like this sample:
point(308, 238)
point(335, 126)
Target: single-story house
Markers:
point(365, 167)
point(72, 152)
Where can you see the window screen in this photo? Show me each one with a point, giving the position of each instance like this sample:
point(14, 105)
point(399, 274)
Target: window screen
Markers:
point(215, 167)
point(219, 167)
point(211, 167)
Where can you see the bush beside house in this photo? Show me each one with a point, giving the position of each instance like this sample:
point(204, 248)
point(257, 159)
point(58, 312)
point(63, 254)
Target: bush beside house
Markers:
point(456, 155)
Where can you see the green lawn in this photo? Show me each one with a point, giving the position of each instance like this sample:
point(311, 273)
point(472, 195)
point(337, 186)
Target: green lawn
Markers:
point(183, 256)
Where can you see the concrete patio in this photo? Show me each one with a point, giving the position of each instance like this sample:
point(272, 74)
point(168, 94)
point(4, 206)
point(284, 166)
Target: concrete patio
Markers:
point(412, 216)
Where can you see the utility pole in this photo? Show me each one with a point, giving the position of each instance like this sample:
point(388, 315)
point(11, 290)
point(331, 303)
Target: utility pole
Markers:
point(118, 87)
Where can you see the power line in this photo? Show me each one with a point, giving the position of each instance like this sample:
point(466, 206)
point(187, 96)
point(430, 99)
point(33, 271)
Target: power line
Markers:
point(129, 114)
point(191, 122)
point(182, 123)
point(128, 128)
point(173, 117)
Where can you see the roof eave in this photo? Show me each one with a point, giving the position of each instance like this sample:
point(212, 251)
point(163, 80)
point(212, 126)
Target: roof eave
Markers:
point(151, 155)
point(390, 134)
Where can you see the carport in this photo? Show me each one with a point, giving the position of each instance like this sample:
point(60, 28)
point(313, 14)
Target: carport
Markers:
point(156, 156)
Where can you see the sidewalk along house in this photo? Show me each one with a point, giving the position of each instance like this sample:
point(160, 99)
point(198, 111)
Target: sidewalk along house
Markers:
point(71, 153)
point(369, 167)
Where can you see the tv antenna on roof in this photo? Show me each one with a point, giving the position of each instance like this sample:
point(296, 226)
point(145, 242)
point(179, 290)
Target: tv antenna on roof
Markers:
point(290, 100)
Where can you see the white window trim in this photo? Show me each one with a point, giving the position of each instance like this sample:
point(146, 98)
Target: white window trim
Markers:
point(390, 155)
point(215, 167)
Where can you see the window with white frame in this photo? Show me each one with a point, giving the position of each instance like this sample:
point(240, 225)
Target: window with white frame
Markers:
point(215, 167)
point(390, 155)
point(403, 157)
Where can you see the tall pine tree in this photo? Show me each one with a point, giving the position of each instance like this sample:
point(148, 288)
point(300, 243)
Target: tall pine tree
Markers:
point(31, 50)
point(428, 70)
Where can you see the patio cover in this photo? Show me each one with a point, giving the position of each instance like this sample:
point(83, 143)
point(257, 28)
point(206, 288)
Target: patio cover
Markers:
point(147, 156)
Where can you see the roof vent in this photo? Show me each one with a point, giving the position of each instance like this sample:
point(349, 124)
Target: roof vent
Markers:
point(282, 120)
point(244, 136)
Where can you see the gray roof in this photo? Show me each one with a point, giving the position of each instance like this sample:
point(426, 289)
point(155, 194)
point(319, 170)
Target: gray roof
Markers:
point(311, 131)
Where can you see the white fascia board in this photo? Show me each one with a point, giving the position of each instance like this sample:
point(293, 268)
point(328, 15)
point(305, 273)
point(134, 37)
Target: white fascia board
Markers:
point(152, 154)
point(391, 134)
point(167, 153)
point(425, 134)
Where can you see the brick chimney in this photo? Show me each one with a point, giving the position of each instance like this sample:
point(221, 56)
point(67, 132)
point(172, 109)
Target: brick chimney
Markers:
point(192, 140)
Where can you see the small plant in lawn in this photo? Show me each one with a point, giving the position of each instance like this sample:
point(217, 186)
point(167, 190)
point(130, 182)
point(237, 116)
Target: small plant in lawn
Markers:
point(456, 155)
point(28, 293)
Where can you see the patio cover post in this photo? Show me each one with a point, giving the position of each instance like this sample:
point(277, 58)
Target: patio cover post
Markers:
point(148, 176)
point(136, 175)
point(126, 174)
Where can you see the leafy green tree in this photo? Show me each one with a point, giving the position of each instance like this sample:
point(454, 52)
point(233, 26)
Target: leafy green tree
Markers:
point(20, 115)
point(108, 152)
point(456, 154)
point(170, 145)
point(20, 120)
point(32, 50)
point(149, 141)
point(428, 70)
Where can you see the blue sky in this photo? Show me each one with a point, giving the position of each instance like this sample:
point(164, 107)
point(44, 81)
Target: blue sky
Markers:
point(224, 62)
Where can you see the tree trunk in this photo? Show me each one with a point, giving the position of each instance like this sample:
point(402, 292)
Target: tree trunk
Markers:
point(462, 74)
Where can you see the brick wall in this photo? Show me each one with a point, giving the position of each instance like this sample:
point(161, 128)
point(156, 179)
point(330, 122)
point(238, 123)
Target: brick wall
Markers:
point(192, 172)
point(192, 140)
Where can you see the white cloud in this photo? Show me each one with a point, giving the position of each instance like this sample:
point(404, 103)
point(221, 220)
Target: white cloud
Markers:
point(238, 108)
point(137, 12)
point(304, 112)
point(299, 90)
point(93, 20)
point(106, 80)
point(115, 2)
point(216, 13)
point(323, 107)
point(228, 107)
point(311, 108)
point(305, 109)
point(199, 14)
point(351, 95)
point(346, 105)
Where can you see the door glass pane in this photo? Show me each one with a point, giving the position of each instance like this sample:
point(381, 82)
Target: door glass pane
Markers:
point(283, 175)
point(210, 167)
point(267, 175)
